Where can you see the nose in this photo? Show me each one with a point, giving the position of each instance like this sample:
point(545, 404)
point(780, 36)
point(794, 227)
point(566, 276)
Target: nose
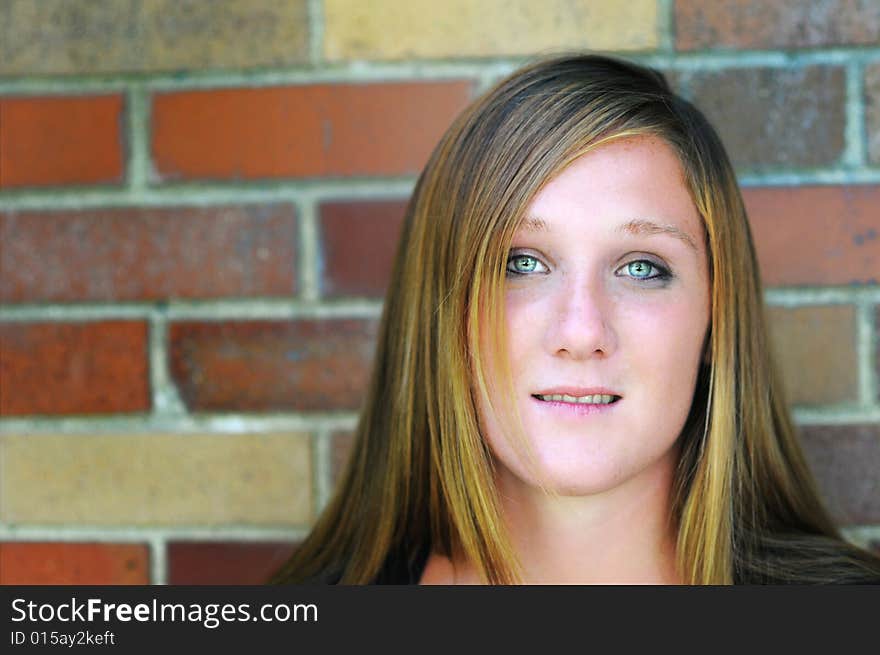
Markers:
point(582, 327)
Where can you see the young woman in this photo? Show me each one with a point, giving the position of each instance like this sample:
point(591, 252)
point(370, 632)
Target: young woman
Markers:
point(573, 381)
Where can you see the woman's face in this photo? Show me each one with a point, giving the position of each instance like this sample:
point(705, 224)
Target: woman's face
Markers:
point(606, 298)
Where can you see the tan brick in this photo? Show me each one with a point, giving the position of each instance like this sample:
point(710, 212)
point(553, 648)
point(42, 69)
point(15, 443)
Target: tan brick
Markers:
point(815, 347)
point(402, 29)
point(93, 36)
point(156, 479)
point(872, 110)
point(776, 24)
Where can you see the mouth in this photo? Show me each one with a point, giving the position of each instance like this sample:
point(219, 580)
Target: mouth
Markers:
point(588, 399)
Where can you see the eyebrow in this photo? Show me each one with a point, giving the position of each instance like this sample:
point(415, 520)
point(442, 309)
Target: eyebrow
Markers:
point(639, 226)
point(634, 227)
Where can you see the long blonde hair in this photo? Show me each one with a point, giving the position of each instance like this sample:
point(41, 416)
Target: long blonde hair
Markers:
point(420, 475)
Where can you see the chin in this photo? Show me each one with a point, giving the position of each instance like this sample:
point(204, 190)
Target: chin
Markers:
point(566, 480)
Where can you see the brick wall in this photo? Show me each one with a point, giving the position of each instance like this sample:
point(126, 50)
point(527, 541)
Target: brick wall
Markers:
point(198, 207)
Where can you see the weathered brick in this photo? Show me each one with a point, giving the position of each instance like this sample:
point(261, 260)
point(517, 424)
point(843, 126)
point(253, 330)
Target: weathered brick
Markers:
point(148, 253)
point(156, 479)
point(25, 563)
point(305, 365)
point(402, 29)
point(225, 563)
point(73, 368)
point(846, 462)
point(872, 111)
point(816, 235)
point(777, 24)
point(102, 36)
point(358, 243)
point(764, 115)
point(302, 131)
point(341, 450)
point(60, 140)
point(815, 347)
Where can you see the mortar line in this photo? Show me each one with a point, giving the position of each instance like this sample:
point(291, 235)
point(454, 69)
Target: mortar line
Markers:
point(208, 194)
point(413, 69)
point(666, 25)
point(217, 425)
point(158, 561)
point(835, 415)
point(166, 399)
point(309, 264)
point(856, 142)
point(144, 535)
point(801, 296)
point(137, 139)
point(315, 10)
point(208, 310)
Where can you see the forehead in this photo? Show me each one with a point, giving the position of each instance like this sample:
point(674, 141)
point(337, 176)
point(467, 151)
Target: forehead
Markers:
point(632, 185)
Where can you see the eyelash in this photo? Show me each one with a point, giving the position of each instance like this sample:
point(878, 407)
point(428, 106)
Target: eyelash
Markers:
point(663, 274)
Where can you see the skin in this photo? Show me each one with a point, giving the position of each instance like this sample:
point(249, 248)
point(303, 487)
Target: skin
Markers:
point(581, 312)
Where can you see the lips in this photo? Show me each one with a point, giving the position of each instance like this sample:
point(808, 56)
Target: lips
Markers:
point(590, 395)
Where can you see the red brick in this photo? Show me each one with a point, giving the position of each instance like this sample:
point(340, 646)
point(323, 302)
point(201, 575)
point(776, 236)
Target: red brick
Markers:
point(225, 563)
point(302, 131)
point(846, 462)
point(148, 254)
point(341, 451)
point(358, 243)
point(763, 114)
point(80, 368)
point(73, 564)
point(272, 365)
point(778, 24)
point(49, 141)
point(820, 235)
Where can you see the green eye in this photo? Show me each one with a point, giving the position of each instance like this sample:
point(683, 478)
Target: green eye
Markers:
point(645, 270)
point(522, 264)
point(525, 264)
point(640, 269)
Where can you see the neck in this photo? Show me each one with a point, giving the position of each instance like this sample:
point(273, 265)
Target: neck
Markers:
point(621, 536)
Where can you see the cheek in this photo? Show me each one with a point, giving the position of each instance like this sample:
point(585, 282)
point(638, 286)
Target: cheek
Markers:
point(525, 316)
point(663, 345)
